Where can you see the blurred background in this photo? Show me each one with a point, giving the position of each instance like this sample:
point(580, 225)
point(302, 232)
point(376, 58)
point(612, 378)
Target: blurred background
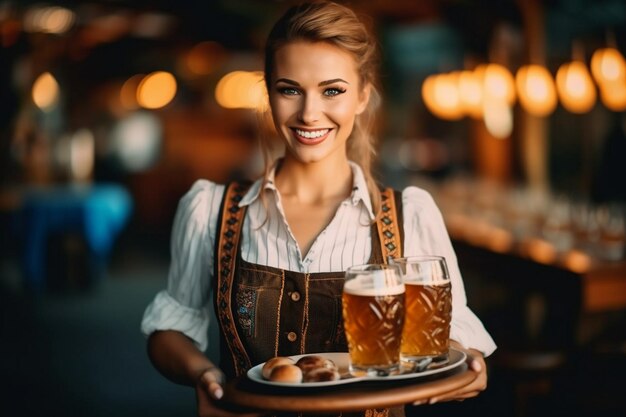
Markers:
point(510, 112)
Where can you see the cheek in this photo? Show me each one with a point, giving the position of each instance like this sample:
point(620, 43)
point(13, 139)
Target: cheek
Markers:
point(281, 111)
point(344, 112)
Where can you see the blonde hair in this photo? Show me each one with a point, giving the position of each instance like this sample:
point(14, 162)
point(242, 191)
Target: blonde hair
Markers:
point(325, 21)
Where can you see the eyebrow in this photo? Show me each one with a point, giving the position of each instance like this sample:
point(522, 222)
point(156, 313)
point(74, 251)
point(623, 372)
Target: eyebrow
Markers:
point(321, 84)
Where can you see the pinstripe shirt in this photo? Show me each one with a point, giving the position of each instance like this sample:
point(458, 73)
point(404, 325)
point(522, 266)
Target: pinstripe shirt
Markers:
point(185, 304)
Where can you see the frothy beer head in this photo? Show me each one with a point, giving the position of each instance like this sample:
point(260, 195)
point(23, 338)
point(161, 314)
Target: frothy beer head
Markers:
point(425, 270)
point(377, 285)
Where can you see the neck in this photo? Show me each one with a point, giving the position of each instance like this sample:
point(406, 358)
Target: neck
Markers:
point(315, 182)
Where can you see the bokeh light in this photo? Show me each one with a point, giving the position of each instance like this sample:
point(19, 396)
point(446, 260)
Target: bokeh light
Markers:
point(45, 92)
point(471, 93)
point(498, 83)
point(242, 90)
point(608, 66)
point(536, 90)
point(441, 96)
point(128, 92)
point(156, 90)
point(575, 87)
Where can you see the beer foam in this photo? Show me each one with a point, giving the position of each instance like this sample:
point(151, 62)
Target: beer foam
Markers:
point(419, 281)
point(366, 287)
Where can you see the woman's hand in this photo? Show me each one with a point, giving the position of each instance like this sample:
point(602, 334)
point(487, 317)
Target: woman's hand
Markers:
point(476, 363)
point(208, 391)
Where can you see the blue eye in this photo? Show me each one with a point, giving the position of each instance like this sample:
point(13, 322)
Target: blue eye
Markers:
point(331, 92)
point(288, 91)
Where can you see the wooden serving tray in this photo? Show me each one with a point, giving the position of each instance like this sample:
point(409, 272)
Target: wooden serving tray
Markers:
point(244, 394)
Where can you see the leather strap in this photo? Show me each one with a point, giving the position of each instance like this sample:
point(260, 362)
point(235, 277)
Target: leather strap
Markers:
point(389, 231)
point(227, 243)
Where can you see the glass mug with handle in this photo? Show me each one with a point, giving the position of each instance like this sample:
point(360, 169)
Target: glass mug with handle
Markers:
point(426, 334)
point(373, 314)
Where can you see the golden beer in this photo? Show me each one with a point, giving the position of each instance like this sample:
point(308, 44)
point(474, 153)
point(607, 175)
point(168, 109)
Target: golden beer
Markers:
point(426, 331)
point(373, 318)
point(427, 322)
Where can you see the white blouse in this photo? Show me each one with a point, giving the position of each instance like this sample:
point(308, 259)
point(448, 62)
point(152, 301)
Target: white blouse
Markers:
point(185, 304)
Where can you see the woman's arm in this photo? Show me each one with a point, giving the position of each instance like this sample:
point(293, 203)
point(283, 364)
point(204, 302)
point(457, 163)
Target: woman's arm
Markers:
point(177, 358)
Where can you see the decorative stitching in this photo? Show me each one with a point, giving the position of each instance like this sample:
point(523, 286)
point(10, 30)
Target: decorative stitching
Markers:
point(280, 302)
point(387, 225)
point(305, 318)
point(246, 307)
point(230, 228)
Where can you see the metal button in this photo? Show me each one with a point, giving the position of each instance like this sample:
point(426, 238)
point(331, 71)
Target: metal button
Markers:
point(292, 336)
point(295, 296)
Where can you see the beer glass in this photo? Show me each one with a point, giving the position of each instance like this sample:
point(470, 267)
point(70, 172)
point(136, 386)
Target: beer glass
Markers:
point(426, 333)
point(373, 314)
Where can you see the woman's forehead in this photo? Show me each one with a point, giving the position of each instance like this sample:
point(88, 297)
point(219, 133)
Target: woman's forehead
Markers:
point(320, 60)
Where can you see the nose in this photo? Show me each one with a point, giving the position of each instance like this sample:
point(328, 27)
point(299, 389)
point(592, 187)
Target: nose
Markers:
point(309, 110)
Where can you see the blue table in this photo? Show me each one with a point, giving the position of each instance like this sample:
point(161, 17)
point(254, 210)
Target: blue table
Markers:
point(97, 212)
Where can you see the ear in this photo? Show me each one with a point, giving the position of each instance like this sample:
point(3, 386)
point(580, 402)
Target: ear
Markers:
point(364, 98)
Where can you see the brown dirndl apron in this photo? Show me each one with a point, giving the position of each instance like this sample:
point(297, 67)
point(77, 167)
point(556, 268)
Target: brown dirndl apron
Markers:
point(265, 312)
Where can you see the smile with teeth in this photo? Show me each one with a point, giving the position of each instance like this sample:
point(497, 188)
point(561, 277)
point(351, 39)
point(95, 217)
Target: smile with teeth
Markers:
point(311, 134)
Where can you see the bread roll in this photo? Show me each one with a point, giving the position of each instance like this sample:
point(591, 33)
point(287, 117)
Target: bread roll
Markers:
point(286, 373)
point(321, 374)
point(309, 362)
point(266, 371)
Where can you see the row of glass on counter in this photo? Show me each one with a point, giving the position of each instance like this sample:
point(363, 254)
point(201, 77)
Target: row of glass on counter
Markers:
point(547, 227)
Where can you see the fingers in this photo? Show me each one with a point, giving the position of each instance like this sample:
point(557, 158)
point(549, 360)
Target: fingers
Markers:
point(212, 380)
point(476, 363)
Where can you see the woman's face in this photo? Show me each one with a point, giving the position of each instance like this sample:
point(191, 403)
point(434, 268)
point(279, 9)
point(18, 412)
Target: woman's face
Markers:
point(315, 97)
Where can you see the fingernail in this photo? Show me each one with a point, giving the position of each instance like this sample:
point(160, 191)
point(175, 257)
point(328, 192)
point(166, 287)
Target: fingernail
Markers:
point(218, 393)
point(420, 402)
point(432, 401)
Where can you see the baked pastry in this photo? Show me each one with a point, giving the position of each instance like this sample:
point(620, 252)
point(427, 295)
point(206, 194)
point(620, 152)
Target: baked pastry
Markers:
point(309, 362)
point(321, 374)
point(286, 373)
point(266, 371)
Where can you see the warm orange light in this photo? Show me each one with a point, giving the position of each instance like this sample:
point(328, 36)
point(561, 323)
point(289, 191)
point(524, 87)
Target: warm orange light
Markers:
point(608, 66)
point(577, 261)
point(156, 90)
point(128, 92)
point(575, 87)
point(471, 93)
point(541, 250)
point(498, 83)
point(498, 118)
point(82, 154)
point(535, 89)
point(204, 57)
point(48, 19)
point(441, 96)
point(613, 95)
point(242, 90)
point(45, 92)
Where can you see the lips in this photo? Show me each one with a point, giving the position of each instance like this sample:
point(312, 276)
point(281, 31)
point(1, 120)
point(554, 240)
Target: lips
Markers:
point(310, 137)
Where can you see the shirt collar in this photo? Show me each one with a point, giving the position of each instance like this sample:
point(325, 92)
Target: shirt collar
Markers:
point(359, 189)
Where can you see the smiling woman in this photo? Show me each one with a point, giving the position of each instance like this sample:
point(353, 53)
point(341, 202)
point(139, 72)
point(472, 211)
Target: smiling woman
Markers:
point(273, 254)
point(315, 95)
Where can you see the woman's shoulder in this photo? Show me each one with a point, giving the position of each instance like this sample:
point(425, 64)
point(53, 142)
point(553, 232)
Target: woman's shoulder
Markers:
point(203, 191)
point(416, 197)
point(201, 201)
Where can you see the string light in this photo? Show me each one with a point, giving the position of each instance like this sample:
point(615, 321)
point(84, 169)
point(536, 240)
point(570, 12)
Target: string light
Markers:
point(575, 87)
point(535, 89)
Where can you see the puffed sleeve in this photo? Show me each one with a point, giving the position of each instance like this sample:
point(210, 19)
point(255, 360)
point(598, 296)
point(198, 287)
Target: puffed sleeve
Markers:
point(183, 306)
point(426, 234)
